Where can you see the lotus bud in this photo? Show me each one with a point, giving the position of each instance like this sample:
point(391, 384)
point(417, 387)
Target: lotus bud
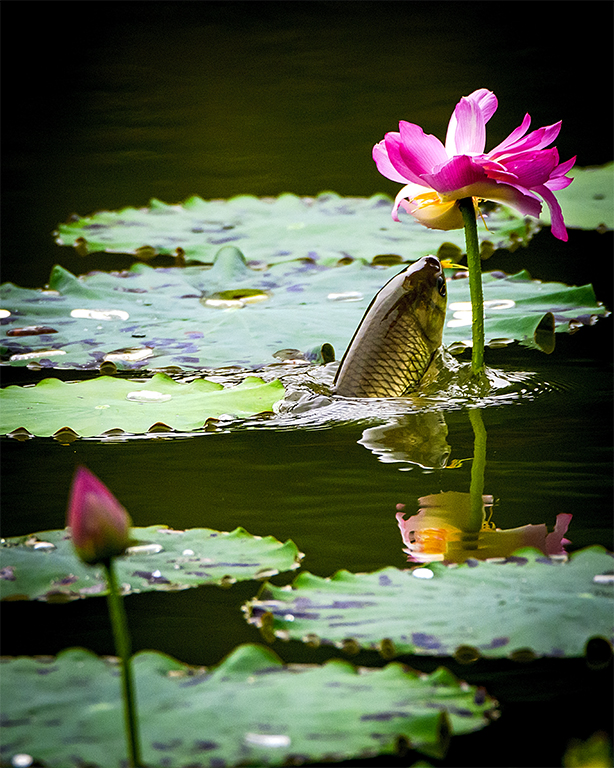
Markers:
point(99, 524)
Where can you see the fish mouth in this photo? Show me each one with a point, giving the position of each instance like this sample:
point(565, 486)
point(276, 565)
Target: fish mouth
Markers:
point(415, 273)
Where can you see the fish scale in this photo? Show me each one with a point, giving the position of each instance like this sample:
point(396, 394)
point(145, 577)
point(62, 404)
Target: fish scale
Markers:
point(394, 365)
point(391, 349)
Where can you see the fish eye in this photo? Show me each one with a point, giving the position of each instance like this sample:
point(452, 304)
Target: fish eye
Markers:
point(441, 285)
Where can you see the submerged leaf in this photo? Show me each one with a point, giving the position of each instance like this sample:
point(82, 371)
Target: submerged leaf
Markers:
point(44, 566)
point(523, 604)
point(251, 709)
point(91, 408)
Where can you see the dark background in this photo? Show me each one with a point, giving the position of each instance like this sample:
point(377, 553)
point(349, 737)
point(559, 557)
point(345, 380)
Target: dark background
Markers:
point(108, 104)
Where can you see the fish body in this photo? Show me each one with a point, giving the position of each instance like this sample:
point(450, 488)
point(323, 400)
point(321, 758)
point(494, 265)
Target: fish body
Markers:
point(398, 335)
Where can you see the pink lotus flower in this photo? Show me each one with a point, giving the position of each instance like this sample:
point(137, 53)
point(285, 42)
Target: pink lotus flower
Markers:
point(100, 526)
point(436, 176)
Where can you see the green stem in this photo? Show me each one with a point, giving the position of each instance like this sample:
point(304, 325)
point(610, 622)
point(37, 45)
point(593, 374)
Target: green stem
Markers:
point(475, 285)
point(122, 646)
point(478, 468)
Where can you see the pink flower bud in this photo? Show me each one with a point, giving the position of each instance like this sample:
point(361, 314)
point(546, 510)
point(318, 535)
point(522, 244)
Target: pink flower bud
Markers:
point(100, 526)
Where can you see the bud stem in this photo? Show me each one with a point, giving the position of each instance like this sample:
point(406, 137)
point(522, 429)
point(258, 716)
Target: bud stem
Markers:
point(121, 637)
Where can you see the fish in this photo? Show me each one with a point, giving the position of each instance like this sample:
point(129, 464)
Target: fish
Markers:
point(398, 336)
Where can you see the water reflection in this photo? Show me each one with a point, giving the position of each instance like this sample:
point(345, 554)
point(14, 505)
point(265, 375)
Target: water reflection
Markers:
point(443, 530)
point(454, 526)
point(416, 438)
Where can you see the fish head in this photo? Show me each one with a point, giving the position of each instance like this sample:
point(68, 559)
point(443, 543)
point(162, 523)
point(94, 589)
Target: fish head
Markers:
point(425, 296)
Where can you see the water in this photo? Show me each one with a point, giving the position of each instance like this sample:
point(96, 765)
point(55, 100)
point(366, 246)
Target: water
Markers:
point(167, 101)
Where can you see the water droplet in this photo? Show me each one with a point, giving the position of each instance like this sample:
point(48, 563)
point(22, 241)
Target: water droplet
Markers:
point(187, 552)
point(274, 740)
point(422, 573)
point(156, 574)
point(224, 303)
point(147, 396)
point(460, 318)
point(604, 578)
point(129, 354)
point(44, 546)
point(31, 330)
point(100, 314)
point(265, 573)
point(235, 299)
point(38, 353)
point(499, 343)
point(35, 543)
point(288, 617)
point(21, 760)
point(4, 313)
point(345, 296)
point(499, 304)
point(144, 549)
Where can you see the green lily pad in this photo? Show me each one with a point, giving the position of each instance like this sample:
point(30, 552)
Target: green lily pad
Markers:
point(323, 229)
point(44, 566)
point(104, 404)
point(251, 709)
point(588, 203)
point(526, 604)
point(148, 318)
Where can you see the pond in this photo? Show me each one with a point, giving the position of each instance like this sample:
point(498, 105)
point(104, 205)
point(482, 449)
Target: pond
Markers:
point(218, 99)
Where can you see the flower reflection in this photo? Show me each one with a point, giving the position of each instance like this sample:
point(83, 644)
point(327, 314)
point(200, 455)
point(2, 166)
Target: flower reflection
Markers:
point(443, 530)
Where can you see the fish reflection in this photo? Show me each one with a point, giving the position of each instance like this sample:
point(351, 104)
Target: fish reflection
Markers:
point(444, 529)
point(414, 438)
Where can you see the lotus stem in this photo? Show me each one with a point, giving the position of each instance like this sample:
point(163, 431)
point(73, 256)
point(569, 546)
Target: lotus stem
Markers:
point(474, 263)
point(478, 468)
point(121, 637)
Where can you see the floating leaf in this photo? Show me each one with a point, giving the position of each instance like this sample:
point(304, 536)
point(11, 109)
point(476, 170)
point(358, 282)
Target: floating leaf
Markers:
point(525, 604)
point(155, 318)
point(44, 566)
point(323, 229)
point(251, 710)
point(588, 203)
point(94, 407)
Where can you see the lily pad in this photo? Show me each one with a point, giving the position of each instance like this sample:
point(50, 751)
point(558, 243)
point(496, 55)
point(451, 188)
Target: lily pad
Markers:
point(588, 203)
point(323, 229)
point(524, 605)
point(148, 318)
point(104, 404)
point(250, 710)
point(44, 566)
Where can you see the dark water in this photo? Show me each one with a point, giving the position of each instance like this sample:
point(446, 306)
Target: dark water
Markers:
point(128, 101)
